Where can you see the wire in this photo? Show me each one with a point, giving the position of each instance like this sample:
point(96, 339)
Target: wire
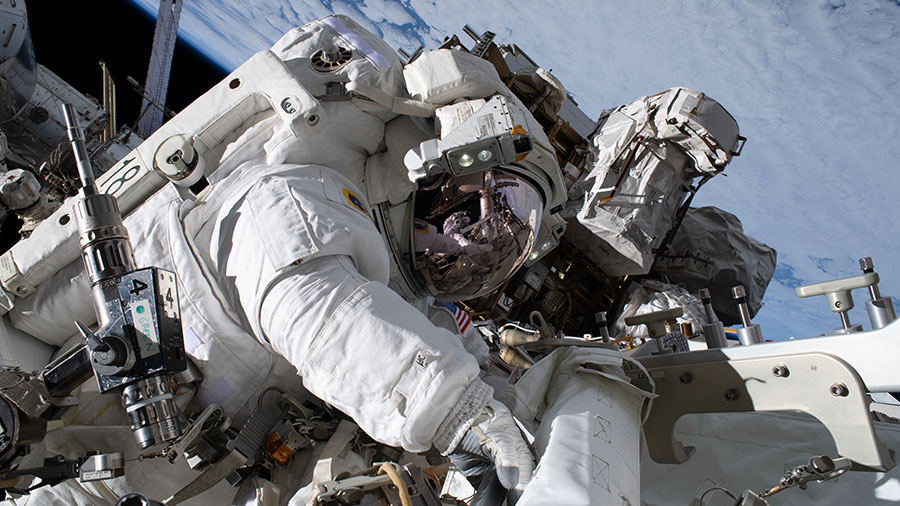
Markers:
point(714, 489)
point(523, 329)
point(389, 469)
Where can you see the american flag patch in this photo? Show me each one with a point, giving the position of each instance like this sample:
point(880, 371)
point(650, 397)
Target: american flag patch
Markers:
point(462, 318)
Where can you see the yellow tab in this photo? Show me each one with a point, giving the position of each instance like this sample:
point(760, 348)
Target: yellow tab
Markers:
point(518, 129)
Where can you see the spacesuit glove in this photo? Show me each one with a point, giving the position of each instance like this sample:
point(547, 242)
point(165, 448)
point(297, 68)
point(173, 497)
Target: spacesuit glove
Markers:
point(495, 436)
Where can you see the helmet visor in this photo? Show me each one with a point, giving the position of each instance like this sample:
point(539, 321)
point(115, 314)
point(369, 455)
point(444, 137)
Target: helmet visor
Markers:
point(473, 232)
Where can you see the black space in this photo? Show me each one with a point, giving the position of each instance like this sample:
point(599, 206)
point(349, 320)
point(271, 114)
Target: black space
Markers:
point(71, 36)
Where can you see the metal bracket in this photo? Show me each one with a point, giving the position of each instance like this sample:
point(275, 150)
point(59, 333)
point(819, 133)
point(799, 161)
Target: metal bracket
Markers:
point(819, 384)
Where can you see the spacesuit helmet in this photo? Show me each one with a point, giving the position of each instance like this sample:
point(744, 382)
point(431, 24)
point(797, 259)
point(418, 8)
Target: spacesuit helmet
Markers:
point(472, 232)
point(484, 187)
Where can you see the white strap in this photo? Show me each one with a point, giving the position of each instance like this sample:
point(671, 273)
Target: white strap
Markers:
point(405, 106)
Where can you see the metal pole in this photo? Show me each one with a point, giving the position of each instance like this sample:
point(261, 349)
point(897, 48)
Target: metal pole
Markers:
point(76, 137)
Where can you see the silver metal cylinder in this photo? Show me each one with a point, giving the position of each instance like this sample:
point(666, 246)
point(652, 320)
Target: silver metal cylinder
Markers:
point(881, 312)
point(845, 319)
point(751, 334)
point(76, 137)
point(867, 266)
point(714, 333)
point(105, 246)
point(604, 329)
point(151, 410)
point(740, 297)
point(706, 299)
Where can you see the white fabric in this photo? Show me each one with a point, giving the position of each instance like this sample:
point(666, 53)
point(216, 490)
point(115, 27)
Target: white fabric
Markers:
point(386, 179)
point(497, 433)
point(69, 297)
point(374, 62)
point(643, 157)
point(586, 417)
point(444, 75)
point(741, 451)
point(441, 316)
point(360, 347)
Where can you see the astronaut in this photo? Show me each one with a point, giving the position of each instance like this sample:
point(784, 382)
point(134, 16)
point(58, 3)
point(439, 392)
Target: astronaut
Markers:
point(321, 252)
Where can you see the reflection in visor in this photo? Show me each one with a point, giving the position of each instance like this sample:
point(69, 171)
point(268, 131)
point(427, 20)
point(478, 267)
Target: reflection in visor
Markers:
point(474, 231)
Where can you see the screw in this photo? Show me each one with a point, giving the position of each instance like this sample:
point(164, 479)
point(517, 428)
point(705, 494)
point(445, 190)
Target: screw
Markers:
point(288, 106)
point(731, 394)
point(21, 290)
point(686, 378)
point(781, 371)
point(839, 390)
point(312, 120)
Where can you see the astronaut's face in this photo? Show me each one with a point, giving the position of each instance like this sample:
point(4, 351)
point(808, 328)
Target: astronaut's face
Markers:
point(486, 224)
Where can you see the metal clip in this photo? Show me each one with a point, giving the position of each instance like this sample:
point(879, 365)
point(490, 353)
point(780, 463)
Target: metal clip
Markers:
point(819, 468)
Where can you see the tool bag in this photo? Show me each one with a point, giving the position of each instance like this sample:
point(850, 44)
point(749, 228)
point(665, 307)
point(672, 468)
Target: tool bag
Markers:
point(648, 159)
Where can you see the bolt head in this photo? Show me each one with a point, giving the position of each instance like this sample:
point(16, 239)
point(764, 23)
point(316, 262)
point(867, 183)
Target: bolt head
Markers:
point(781, 371)
point(839, 390)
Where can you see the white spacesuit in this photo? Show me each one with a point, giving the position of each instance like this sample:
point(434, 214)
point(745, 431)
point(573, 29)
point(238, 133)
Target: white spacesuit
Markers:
point(292, 262)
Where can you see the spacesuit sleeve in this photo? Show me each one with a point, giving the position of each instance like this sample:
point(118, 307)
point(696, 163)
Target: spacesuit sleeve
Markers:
point(359, 346)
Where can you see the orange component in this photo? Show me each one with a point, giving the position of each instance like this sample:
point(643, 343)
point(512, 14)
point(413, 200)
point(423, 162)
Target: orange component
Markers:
point(518, 129)
point(277, 449)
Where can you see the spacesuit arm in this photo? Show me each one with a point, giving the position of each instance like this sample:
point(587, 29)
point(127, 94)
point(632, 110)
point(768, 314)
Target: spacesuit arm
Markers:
point(363, 349)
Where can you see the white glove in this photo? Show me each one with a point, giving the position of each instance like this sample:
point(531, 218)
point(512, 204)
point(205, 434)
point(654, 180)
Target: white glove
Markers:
point(496, 436)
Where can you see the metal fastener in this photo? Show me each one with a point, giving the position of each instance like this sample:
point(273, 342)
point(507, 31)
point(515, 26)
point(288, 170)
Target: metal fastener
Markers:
point(731, 394)
point(781, 371)
point(839, 390)
point(686, 378)
point(288, 106)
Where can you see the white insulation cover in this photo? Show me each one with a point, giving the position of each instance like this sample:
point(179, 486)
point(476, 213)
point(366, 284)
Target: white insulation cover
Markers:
point(712, 251)
point(444, 75)
point(741, 451)
point(648, 296)
point(588, 428)
point(661, 142)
